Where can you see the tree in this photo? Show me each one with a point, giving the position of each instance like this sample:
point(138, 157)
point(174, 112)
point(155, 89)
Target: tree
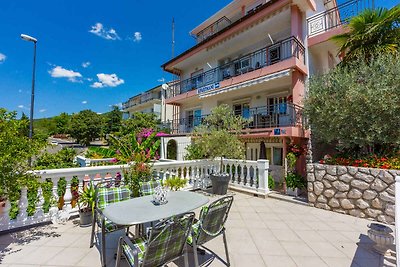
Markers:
point(370, 33)
point(62, 123)
point(113, 120)
point(86, 126)
point(24, 125)
point(138, 122)
point(357, 105)
point(15, 151)
point(218, 136)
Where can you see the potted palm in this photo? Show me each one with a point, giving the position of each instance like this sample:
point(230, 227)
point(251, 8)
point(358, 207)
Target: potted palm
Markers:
point(218, 137)
point(86, 203)
point(294, 181)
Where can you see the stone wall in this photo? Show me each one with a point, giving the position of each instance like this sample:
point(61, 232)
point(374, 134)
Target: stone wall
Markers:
point(361, 192)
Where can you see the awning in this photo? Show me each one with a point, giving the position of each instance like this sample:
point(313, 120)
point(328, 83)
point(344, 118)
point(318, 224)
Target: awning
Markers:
point(266, 78)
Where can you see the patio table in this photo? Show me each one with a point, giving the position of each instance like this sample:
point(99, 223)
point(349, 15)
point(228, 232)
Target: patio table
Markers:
point(141, 210)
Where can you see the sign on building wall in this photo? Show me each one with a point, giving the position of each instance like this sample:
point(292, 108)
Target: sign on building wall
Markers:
point(207, 88)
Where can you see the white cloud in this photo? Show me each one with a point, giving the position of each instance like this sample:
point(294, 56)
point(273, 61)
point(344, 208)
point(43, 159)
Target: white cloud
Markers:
point(23, 107)
point(20, 106)
point(107, 80)
point(84, 102)
point(86, 64)
point(137, 37)
point(42, 110)
point(109, 34)
point(60, 72)
point(2, 58)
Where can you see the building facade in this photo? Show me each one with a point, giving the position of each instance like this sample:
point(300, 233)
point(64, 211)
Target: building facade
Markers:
point(150, 101)
point(256, 56)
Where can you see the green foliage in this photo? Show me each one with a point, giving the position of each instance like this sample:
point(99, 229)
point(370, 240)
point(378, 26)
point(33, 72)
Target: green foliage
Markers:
point(86, 126)
point(295, 180)
point(62, 159)
point(291, 160)
point(138, 121)
point(87, 198)
point(32, 186)
point(15, 151)
point(95, 152)
point(113, 120)
point(24, 125)
point(373, 32)
point(61, 187)
point(218, 136)
point(47, 192)
point(271, 182)
point(357, 105)
point(194, 151)
point(175, 183)
point(62, 123)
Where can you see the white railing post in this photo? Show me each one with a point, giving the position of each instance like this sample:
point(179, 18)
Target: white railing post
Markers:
point(397, 219)
point(68, 196)
point(23, 205)
point(263, 166)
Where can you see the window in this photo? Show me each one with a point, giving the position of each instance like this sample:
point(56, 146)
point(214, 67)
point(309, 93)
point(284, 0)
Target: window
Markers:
point(277, 105)
point(242, 110)
point(274, 54)
point(197, 78)
point(277, 156)
point(193, 118)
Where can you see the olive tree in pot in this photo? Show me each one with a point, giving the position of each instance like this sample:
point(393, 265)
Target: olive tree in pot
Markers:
point(218, 137)
point(86, 203)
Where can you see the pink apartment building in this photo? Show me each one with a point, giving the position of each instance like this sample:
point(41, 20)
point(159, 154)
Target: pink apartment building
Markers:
point(255, 56)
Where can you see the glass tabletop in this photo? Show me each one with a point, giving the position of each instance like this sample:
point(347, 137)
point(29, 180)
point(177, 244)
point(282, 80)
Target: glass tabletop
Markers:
point(141, 210)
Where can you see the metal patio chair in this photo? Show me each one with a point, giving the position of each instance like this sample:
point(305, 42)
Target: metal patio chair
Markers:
point(107, 193)
point(166, 243)
point(210, 225)
point(147, 188)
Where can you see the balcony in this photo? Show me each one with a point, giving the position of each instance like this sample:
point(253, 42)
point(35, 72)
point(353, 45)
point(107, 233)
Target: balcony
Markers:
point(209, 31)
point(337, 16)
point(277, 52)
point(143, 98)
point(273, 116)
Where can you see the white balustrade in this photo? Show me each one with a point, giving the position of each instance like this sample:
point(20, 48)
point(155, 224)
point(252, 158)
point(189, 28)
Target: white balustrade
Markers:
point(245, 175)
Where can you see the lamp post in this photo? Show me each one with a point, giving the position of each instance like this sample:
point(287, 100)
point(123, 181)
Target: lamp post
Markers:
point(34, 40)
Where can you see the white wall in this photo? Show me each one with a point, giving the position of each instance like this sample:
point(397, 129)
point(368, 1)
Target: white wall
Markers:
point(182, 143)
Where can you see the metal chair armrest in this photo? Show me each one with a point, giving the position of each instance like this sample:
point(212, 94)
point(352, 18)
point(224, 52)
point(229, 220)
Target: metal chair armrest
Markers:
point(127, 241)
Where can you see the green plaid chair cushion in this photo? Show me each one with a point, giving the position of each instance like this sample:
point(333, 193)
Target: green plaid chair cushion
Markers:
point(107, 196)
point(109, 225)
point(211, 221)
point(147, 188)
point(140, 246)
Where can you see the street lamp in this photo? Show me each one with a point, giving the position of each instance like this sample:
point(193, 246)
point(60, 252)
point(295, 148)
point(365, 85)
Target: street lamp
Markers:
point(163, 117)
point(34, 40)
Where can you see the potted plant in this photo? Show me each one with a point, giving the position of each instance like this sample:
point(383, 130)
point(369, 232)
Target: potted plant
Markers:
point(217, 137)
point(294, 181)
point(175, 183)
point(86, 203)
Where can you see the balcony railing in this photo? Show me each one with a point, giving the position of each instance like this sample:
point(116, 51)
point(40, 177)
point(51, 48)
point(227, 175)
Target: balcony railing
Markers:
point(212, 29)
point(142, 99)
point(336, 16)
point(280, 51)
point(272, 116)
point(249, 176)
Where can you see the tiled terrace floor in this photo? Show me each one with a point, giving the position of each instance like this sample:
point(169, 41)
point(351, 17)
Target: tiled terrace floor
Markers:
point(260, 232)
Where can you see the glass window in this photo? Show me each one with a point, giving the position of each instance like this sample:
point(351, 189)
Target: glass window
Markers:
point(277, 156)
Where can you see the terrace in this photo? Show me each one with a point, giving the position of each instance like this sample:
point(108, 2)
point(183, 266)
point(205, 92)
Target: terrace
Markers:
point(260, 232)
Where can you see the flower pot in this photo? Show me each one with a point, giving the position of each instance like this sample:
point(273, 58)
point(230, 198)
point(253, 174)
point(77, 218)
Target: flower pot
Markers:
point(220, 183)
point(85, 217)
point(382, 236)
point(293, 192)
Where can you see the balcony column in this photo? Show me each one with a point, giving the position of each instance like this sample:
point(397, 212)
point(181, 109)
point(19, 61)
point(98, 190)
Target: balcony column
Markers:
point(298, 87)
point(296, 22)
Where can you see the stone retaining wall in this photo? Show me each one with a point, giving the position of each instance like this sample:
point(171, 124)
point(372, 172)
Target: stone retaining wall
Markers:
point(361, 192)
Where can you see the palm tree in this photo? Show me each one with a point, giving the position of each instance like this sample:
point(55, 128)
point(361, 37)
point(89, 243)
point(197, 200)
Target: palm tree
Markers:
point(374, 31)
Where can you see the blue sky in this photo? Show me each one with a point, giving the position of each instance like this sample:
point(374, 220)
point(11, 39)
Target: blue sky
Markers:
point(92, 54)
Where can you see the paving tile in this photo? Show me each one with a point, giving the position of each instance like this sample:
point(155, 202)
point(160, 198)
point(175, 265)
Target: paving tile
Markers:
point(278, 261)
point(338, 262)
point(64, 240)
point(252, 260)
point(324, 249)
point(64, 257)
point(309, 262)
point(271, 248)
point(285, 235)
point(309, 236)
point(297, 249)
point(39, 255)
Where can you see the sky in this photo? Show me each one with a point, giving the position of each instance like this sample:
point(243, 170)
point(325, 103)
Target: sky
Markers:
point(92, 54)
